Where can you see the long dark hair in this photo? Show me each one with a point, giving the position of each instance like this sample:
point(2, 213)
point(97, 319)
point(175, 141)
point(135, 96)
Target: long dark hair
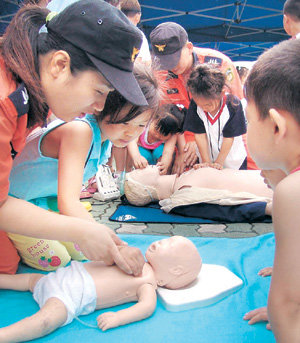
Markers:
point(207, 81)
point(20, 48)
point(169, 120)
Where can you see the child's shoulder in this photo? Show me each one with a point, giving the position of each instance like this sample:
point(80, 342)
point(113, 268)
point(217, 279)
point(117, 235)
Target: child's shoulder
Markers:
point(288, 188)
point(79, 127)
point(286, 204)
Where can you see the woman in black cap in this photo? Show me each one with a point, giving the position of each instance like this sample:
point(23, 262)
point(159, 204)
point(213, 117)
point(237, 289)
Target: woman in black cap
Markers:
point(89, 50)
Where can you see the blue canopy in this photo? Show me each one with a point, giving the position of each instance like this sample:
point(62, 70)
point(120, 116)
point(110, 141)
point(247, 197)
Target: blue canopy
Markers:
point(240, 29)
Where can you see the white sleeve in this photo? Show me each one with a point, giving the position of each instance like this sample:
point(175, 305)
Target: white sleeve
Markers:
point(144, 53)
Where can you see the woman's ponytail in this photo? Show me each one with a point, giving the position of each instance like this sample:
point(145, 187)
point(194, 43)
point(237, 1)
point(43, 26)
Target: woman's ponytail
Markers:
point(19, 48)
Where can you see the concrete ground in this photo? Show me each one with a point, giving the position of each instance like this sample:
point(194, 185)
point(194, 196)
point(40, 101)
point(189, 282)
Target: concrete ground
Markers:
point(101, 211)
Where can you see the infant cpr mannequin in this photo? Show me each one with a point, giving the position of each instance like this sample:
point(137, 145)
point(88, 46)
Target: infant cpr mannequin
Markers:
point(84, 287)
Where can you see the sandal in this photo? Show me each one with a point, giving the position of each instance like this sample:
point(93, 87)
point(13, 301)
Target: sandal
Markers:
point(90, 189)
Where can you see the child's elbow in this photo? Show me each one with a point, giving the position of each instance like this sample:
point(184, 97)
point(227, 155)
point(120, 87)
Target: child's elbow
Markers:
point(285, 307)
point(148, 311)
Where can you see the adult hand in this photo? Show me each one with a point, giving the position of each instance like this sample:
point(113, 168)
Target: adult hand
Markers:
point(101, 244)
point(134, 258)
point(258, 315)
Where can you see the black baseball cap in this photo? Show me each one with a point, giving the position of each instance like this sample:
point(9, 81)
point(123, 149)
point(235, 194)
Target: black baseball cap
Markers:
point(109, 40)
point(167, 40)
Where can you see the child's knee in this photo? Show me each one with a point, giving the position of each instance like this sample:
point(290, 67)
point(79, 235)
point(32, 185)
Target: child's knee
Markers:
point(41, 254)
point(74, 251)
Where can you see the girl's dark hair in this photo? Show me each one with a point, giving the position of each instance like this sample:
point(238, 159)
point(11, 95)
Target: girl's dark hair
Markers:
point(274, 80)
point(170, 120)
point(206, 80)
point(115, 101)
point(21, 46)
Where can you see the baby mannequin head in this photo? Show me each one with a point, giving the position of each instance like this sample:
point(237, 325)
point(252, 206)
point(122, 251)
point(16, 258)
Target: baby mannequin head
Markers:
point(140, 186)
point(175, 261)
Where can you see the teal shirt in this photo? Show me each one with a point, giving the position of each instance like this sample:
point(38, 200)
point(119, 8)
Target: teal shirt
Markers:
point(35, 176)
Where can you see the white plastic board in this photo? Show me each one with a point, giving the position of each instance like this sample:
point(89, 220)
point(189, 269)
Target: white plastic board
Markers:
point(213, 283)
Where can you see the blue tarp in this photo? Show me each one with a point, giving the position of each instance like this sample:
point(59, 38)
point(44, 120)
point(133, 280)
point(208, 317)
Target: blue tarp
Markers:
point(221, 322)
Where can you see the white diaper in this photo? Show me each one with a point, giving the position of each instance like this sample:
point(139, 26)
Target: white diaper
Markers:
point(73, 285)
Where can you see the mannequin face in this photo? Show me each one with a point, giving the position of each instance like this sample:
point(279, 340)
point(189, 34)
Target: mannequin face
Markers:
point(172, 258)
point(147, 176)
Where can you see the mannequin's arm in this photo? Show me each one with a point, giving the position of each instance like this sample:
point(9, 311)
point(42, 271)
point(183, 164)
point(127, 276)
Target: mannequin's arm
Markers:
point(51, 316)
point(142, 309)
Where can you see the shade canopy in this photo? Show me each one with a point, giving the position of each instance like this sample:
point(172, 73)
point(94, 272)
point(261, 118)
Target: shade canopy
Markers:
point(240, 29)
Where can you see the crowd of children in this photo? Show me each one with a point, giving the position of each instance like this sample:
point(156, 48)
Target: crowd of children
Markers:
point(181, 111)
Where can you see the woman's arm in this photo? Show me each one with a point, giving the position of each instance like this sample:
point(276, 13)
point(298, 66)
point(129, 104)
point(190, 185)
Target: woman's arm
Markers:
point(96, 241)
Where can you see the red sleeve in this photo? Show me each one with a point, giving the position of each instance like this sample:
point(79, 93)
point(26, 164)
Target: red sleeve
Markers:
point(12, 130)
point(9, 258)
point(7, 129)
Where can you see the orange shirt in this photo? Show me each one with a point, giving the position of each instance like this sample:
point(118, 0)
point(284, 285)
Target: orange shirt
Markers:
point(13, 121)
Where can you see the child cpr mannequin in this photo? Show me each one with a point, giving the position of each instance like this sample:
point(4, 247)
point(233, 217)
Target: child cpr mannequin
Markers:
point(143, 186)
